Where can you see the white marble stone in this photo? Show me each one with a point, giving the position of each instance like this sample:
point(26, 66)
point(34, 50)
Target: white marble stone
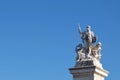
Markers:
point(88, 66)
point(88, 73)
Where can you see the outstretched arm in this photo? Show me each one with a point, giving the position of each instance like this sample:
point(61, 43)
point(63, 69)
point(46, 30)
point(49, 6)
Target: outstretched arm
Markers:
point(79, 29)
point(81, 33)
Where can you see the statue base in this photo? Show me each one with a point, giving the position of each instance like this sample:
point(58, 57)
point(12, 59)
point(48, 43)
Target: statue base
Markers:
point(88, 62)
point(88, 69)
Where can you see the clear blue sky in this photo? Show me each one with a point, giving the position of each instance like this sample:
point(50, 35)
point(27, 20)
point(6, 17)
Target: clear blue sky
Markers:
point(38, 37)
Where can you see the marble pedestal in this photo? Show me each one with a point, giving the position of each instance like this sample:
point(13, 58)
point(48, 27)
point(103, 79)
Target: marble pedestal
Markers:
point(88, 72)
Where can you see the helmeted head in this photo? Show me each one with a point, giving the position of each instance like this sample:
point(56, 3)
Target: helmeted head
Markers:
point(88, 27)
